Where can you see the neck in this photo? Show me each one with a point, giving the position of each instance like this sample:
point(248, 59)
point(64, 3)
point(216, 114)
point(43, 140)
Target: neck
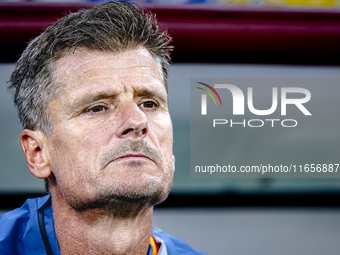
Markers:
point(94, 231)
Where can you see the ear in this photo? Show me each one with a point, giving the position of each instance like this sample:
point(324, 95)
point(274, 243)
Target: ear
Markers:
point(32, 144)
point(173, 162)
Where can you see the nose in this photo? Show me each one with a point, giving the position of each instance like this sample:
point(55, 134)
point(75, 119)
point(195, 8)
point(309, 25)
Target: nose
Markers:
point(134, 123)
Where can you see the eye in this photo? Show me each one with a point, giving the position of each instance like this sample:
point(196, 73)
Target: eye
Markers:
point(149, 104)
point(97, 108)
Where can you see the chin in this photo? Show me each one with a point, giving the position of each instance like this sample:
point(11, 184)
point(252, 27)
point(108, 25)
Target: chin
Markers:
point(123, 198)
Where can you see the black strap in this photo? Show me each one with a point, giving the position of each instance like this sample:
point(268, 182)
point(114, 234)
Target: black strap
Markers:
point(42, 228)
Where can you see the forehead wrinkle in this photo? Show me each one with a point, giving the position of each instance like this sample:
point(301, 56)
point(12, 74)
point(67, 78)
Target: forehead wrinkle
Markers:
point(126, 79)
point(72, 68)
point(82, 58)
point(85, 61)
point(78, 62)
point(109, 73)
point(144, 79)
point(124, 69)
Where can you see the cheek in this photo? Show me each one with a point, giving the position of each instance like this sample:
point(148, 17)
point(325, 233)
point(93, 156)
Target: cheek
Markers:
point(163, 132)
point(70, 154)
point(168, 132)
point(80, 146)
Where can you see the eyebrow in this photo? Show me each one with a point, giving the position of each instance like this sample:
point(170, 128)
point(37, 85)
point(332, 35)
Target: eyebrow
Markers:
point(144, 92)
point(94, 97)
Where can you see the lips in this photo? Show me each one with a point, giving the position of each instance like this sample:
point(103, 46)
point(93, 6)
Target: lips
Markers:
point(132, 155)
point(131, 150)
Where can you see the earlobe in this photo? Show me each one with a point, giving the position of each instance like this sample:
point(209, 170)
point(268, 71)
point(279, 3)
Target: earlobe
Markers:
point(32, 144)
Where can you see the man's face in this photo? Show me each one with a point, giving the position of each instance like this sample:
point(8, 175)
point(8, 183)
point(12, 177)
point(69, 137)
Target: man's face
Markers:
point(112, 132)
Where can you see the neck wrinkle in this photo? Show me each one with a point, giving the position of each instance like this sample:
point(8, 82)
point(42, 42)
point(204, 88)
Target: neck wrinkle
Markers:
point(96, 232)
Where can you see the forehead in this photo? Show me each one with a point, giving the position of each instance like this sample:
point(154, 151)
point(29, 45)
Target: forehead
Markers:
point(85, 67)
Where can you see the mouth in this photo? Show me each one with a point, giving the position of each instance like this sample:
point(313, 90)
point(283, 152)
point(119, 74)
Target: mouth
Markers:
point(131, 151)
point(133, 156)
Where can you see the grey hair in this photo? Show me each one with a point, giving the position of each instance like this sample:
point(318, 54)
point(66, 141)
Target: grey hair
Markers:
point(113, 26)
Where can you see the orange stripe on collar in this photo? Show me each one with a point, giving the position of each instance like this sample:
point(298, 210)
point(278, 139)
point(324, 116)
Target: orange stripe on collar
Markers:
point(155, 247)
